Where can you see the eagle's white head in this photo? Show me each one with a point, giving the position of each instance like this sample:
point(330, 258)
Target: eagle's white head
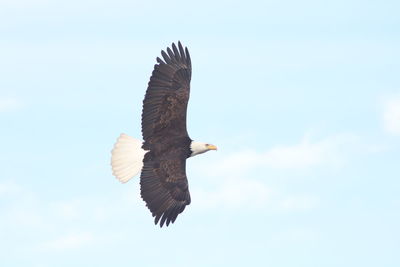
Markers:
point(199, 148)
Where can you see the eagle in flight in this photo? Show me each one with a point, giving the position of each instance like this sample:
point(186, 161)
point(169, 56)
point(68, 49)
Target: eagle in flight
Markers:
point(161, 157)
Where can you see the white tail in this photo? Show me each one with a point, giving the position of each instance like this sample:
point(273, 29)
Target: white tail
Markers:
point(127, 158)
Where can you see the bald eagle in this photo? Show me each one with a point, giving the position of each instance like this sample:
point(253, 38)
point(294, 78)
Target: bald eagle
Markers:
point(161, 157)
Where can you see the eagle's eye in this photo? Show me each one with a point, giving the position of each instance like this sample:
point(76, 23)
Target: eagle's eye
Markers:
point(207, 144)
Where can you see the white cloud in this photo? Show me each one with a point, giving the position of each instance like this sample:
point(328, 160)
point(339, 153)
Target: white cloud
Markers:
point(21, 209)
point(25, 208)
point(9, 104)
point(69, 241)
point(391, 116)
point(233, 194)
point(252, 194)
point(8, 188)
point(69, 224)
point(306, 154)
point(299, 203)
point(297, 235)
point(68, 210)
point(239, 180)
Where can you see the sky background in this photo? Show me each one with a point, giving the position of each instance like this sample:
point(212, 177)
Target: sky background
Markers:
point(302, 99)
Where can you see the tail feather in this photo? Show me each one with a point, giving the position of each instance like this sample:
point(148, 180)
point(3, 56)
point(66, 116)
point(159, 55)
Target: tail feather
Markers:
point(127, 158)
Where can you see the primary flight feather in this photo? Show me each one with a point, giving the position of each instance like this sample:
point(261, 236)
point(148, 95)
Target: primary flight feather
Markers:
point(161, 157)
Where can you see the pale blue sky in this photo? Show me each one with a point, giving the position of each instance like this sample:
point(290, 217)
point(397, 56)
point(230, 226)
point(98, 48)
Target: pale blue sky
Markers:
point(301, 97)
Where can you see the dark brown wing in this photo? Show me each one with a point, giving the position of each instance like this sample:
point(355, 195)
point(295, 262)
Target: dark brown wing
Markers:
point(167, 96)
point(163, 181)
point(164, 186)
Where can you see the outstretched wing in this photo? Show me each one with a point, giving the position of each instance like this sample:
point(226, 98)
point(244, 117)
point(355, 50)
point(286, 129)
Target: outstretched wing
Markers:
point(164, 186)
point(163, 181)
point(167, 95)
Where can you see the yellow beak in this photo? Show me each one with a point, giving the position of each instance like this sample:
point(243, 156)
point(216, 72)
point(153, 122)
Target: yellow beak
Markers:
point(212, 147)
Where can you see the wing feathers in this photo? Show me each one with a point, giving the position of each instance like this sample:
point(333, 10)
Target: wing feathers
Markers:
point(177, 56)
point(166, 200)
point(166, 57)
point(159, 60)
point(181, 51)
point(163, 181)
point(171, 55)
point(167, 95)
